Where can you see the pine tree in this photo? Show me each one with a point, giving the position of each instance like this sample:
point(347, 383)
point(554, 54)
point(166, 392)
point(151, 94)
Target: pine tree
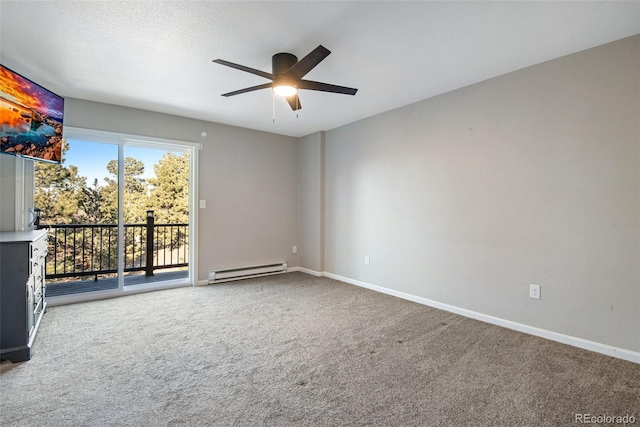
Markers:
point(92, 204)
point(58, 191)
point(135, 192)
point(169, 196)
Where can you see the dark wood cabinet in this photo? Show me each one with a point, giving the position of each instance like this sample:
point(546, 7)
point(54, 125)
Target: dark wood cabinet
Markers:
point(22, 291)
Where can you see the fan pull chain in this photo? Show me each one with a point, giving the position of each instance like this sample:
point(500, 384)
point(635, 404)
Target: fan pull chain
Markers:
point(273, 97)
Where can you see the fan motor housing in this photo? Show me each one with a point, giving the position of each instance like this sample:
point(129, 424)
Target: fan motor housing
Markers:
point(281, 62)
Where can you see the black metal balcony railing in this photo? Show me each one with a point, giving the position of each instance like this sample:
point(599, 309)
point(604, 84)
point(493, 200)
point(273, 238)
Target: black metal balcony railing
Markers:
point(79, 250)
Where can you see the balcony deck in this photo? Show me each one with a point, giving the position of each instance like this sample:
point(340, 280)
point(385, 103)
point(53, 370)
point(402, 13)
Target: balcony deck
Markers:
point(107, 283)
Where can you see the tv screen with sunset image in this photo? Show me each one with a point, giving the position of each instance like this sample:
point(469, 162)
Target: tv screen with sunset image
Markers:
point(30, 118)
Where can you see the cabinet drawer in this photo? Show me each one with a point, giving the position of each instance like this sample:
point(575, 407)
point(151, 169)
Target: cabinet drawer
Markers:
point(38, 264)
point(38, 284)
point(39, 247)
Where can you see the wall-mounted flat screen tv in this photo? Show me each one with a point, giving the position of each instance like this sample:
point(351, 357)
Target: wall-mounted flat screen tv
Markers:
point(30, 118)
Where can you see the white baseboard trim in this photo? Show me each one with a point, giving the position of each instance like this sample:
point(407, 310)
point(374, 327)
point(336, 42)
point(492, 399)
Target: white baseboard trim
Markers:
point(202, 282)
point(608, 350)
point(311, 272)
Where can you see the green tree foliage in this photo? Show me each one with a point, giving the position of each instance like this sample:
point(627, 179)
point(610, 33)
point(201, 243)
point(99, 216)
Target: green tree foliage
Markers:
point(133, 170)
point(91, 204)
point(58, 191)
point(135, 192)
point(64, 197)
point(169, 196)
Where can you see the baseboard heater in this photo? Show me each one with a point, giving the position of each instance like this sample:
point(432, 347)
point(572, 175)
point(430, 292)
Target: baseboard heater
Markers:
point(217, 276)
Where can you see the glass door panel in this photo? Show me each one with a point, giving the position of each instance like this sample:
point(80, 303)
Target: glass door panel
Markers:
point(156, 215)
point(78, 203)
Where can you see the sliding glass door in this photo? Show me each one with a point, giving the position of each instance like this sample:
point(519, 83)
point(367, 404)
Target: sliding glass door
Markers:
point(120, 215)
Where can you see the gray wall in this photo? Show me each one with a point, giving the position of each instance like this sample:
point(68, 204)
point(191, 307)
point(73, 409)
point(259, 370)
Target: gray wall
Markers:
point(311, 201)
point(8, 192)
point(248, 179)
point(531, 177)
point(16, 193)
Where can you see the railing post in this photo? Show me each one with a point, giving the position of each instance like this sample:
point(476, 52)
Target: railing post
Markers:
point(150, 225)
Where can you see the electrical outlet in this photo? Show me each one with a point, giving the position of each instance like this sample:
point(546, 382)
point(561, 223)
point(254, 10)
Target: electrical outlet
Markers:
point(295, 249)
point(366, 260)
point(203, 204)
point(534, 291)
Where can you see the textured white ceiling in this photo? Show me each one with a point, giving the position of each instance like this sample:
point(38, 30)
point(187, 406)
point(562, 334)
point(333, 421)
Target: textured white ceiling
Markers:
point(157, 55)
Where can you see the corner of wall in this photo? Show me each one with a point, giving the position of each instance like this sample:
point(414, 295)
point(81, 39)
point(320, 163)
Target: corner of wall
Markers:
point(322, 200)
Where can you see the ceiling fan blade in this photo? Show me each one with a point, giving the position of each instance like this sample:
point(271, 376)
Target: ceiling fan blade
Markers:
point(248, 89)
point(326, 87)
point(294, 102)
point(243, 68)
point(306, 64)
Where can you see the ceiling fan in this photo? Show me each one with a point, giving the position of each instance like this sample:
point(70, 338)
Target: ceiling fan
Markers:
point(287, 76)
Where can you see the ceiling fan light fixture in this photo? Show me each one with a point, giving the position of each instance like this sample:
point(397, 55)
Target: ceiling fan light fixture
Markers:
point(287, 76)
point(285, 90)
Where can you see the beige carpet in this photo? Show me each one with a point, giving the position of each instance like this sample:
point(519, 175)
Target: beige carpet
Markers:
point(295, 350)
